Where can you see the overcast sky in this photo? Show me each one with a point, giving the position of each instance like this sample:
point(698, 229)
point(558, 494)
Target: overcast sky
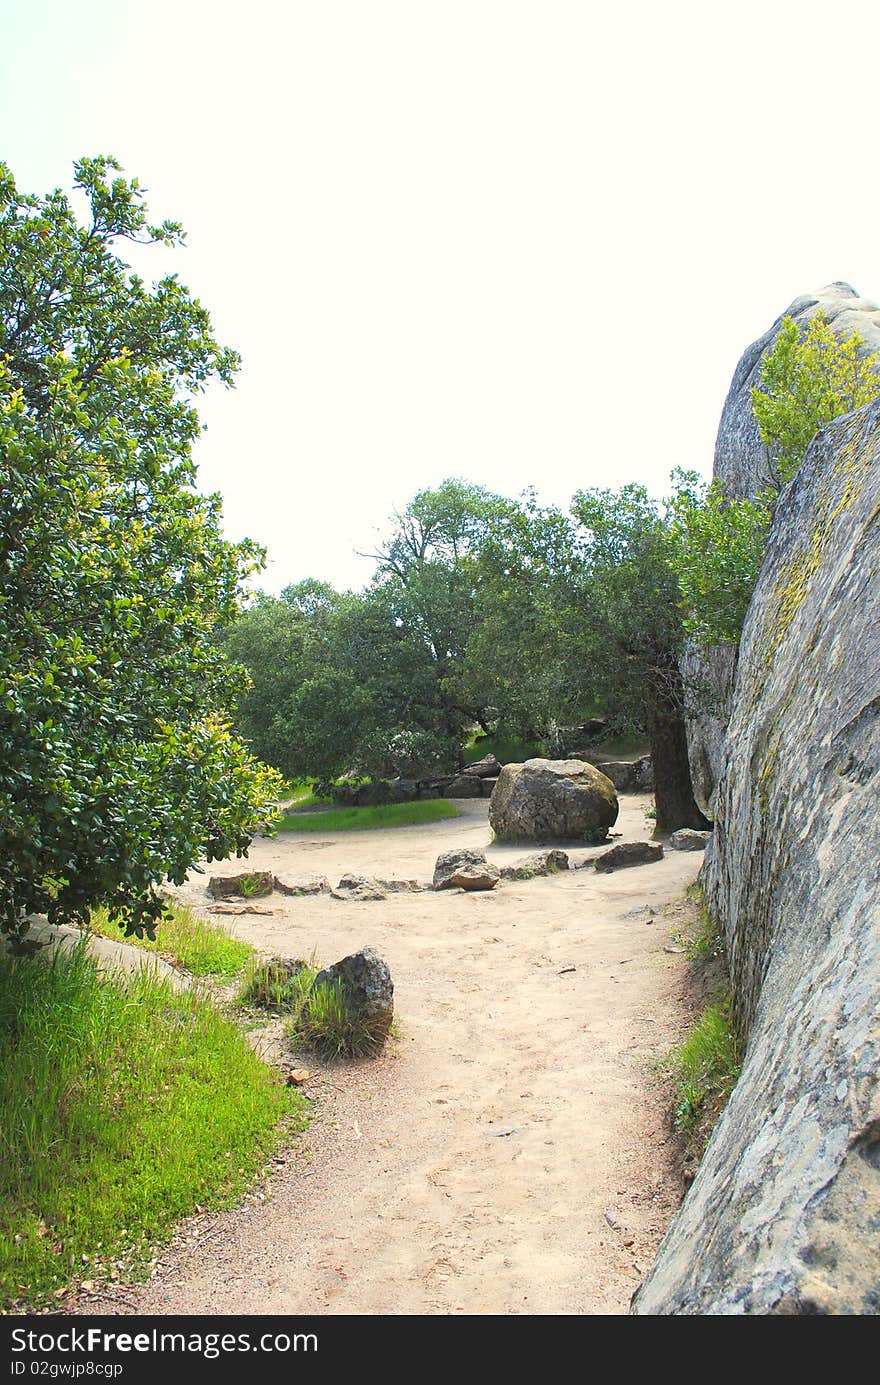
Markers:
point(517, 241)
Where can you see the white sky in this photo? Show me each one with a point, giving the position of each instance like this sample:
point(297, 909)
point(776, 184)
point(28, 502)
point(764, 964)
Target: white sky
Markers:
point(518, 241)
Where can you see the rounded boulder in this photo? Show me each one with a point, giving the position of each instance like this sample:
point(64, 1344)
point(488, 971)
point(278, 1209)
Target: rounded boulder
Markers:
point(552, 801)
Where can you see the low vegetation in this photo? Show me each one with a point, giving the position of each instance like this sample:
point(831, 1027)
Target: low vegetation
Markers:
point(365, 819)
point(324, 1023)
point(274, 983)
point(507, 749)
point(108, 1137)
point(705, 1066)
point(201, 948)
point(319, 1019)
point(704, 1069)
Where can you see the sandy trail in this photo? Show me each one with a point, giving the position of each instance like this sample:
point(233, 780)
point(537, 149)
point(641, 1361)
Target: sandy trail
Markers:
point(509, 1153)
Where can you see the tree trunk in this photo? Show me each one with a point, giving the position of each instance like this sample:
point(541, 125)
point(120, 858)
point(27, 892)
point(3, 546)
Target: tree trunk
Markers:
point(673, 791)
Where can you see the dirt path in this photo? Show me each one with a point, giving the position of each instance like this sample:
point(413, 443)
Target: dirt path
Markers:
point(508, 1154)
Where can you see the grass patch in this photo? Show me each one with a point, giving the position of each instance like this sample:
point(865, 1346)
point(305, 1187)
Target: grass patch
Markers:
point(366, 819)
point(627, 743)
point(321, 1021)
point(704, 1070)
point(274, 983)
point(124, 1106)
point(508, 750)
point(201, 947)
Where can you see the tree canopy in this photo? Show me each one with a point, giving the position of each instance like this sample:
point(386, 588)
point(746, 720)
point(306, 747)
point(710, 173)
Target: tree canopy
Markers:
point(117, 763)
point(809, 376)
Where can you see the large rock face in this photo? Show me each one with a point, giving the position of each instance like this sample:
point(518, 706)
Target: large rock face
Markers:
point(741, 464)
point(783, 1216)
point(552, 801)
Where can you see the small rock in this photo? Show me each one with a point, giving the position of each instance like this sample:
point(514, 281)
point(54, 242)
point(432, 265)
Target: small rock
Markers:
point(357, 887)
point(252, 884)
point(465, 869)
point(464, 786)
point(487, 768)
point(298, 1077)
point(539, 863)
point(367, 989)
point(629, 854)
point(302, 885)
point(686, 839)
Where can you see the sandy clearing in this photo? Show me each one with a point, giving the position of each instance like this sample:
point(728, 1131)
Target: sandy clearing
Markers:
point(478, 1166)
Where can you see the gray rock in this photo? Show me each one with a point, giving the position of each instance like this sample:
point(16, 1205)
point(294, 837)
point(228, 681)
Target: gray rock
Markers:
point(782, 1217)
point(539, 863)
point(742, 464)
point(644, 774)
point(367, 988)
point(708, 676)
point(464, 869)
point(552, 800)
point(403, 790)
point(487, 768)
point(401, 886)
point(358, 887)
point(629, 854)
point(302, 885)
point(251, 884)
point(374, 794)
point(629, 776)
point(487, 787)
point(686, 839)
point(464, 786)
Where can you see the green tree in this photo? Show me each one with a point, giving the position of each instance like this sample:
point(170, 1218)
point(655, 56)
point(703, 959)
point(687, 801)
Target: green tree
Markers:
point(518, 660)
point(808, 377)
point(117, 764)
point(626, 628)
point(432, 576)
point(337, 685)
point(718, 547)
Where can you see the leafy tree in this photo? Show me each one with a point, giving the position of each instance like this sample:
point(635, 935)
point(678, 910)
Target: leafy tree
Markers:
point(117, 764)
point(808, 377)
point(518, 660)
point(338, 685)
point(718, 547)
point(627, 630)
point(431, 574)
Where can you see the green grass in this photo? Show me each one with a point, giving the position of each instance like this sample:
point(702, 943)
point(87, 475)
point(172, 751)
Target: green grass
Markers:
point(508, 750)
point(365, 819)
point(703, 942)
point(274, 983)
point(202, 948)
point(124, 1106)
point(704, 1070)
point(321, 1021)
point(628, 743)
point(305, 798)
